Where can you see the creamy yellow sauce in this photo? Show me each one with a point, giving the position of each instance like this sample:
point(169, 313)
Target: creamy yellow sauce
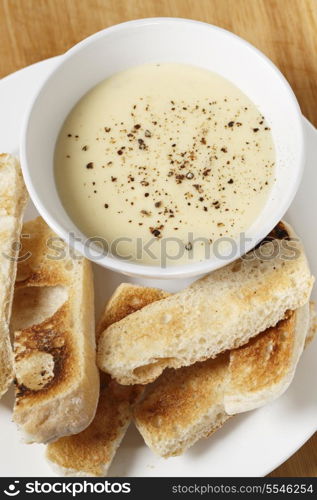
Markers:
point(161, 155)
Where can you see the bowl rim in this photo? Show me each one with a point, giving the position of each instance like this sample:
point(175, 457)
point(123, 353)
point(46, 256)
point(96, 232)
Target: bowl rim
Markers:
point(134, 268)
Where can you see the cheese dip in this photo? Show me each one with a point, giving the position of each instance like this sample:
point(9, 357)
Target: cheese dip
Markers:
point(162, 160)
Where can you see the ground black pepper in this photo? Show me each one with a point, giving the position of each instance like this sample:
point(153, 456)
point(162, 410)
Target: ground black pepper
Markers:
point(199, 159)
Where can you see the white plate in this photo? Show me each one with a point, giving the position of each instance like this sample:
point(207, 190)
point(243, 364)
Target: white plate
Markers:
point(252, 444)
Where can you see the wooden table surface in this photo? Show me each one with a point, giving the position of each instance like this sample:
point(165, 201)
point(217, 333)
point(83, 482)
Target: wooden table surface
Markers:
point(285, 30)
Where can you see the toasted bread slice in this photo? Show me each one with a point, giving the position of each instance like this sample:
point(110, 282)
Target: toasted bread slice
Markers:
point(218, 312)
point(57, 380)
point(263, 369)
point(183, 406)
point(90, 452)
point(13, 198)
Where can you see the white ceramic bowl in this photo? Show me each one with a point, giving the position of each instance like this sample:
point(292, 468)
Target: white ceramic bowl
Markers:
point(160, 40)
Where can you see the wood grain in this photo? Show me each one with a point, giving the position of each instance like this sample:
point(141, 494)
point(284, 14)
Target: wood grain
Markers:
point(285, 30)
